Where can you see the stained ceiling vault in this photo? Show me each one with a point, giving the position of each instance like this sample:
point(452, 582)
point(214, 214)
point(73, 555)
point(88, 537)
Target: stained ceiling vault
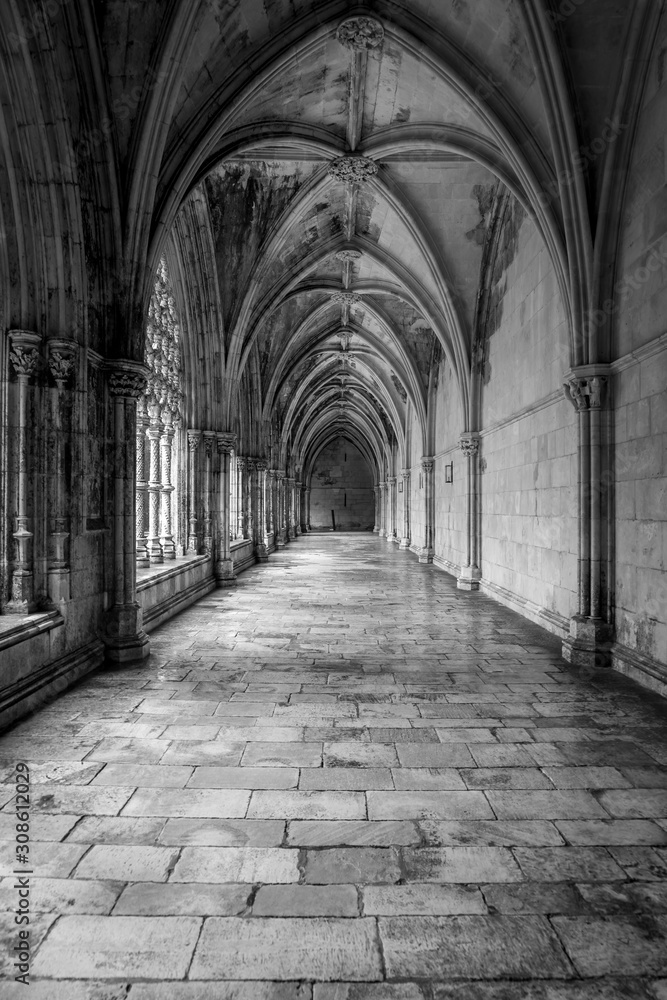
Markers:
point(324, 176)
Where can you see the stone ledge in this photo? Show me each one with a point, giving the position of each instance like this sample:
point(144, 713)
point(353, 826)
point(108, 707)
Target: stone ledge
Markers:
point(549, 620)
point(15, 628)
point(641, 668)
point(447, 566)
point(165, 571)
point(29, 693)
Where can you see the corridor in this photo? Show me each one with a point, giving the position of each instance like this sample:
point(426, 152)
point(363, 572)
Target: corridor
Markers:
point(343, 779)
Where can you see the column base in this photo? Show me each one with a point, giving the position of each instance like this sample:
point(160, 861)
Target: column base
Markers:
point(262, 553)
point(376, 530)
point(382, 533)
point(224, 573)
point(468, 578)
point(404, 543)
point(425, 556)
point(22, 600)
point(58, 586)
point(588, 644)
point(125, 639)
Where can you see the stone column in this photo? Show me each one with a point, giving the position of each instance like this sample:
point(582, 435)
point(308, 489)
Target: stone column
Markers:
point(154, 484)
point(166, 487)
point(376, 493)
point(426, 553)
point(470, 574)
point(305, 526)
point(391, 507)
point(289, 510)
point(405, 537)
point(298, 515)
point(62, 355)
point(382, 487)
point(260, 539)
point(143, 558)
point(24, 357)
point(207, 498)
point(280, 510)
point(271, 502)
point(125, 638)
point(589, 642)
point(223, 564)
point(194, 437)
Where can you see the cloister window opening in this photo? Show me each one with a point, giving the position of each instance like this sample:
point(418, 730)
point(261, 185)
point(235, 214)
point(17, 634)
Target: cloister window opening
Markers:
point(160, 534)
point(233, 498)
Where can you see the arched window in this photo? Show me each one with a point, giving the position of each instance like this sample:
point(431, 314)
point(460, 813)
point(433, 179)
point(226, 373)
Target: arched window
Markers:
point(158, 424)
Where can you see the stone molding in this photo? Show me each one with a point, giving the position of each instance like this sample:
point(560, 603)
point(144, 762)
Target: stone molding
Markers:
point(360, 34)
point(641, 354)
point(354, 169)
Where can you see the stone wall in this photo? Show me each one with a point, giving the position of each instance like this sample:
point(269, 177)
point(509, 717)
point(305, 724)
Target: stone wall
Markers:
point(639, 388)
point(342, 482)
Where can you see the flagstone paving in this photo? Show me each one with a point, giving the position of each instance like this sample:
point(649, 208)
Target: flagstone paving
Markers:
point(343, 780)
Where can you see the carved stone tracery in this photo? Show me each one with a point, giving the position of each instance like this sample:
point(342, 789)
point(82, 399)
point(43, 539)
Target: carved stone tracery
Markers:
point(346, 298)
point(352, 168)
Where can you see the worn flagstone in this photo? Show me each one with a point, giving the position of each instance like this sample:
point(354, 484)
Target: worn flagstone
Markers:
point(344, 779)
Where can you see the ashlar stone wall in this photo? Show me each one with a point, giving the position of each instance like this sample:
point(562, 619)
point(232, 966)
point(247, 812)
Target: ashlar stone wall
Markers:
point(342, 482)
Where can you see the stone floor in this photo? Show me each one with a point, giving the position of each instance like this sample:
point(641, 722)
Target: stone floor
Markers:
point(344, 779)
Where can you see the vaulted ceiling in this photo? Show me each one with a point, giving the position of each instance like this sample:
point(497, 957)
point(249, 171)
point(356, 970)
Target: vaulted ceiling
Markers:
point(343, 163)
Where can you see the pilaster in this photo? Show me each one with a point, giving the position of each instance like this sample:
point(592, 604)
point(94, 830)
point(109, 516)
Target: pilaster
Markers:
point(125, 638)
point(24, 358)
point(223, 564)
point(426, 553)
point(470, 574)
point(589, 642)
point(62, 361)
point(405, 537)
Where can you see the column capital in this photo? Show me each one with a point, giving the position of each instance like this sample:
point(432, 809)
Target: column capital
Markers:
point(405, 473)
point(391, 480)
point(209, 437)
point(62, 356)
point(427, 462)
point(194, 437)
point(271, 473)
point(280, 474)
point(24, 352)
point(226, 442)
point(241, 463)
point(469, 443)
point(126, 379)
point(260, 465)
point(585, 386)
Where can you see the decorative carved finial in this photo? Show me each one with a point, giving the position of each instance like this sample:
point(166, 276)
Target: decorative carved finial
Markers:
point(360, 33)
point(469, 445)
point(348, 255)
point(346, 298)
point(352, 168)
